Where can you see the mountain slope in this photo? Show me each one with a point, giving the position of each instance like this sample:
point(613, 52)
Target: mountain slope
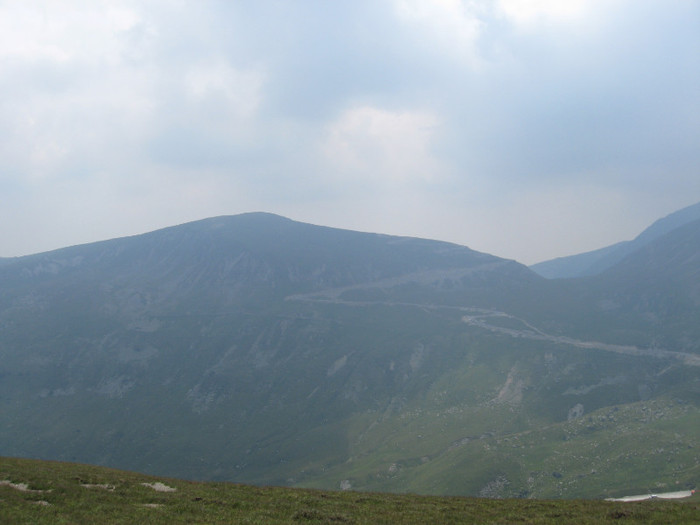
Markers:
point(149, 349)
point(258, 254)
point(656, 290)
point(597, 261)
point(254, 348)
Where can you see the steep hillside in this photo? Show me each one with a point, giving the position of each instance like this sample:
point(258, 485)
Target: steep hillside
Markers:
point(597, 261)
point(656, 290)
point(254, 348)
point(649, 299)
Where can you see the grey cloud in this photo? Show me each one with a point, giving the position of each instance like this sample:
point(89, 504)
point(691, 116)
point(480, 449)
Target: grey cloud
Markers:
point(321, 55)
point(616, 101)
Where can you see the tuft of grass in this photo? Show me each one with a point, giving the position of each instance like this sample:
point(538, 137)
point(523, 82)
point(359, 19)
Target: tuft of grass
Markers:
point(67, 493)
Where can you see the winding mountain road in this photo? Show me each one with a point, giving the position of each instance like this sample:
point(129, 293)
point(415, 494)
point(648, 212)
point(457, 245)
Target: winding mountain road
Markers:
point(530, 332)
point(479, 318)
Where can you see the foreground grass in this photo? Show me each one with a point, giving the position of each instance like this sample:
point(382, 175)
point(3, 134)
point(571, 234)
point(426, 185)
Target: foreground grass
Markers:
point(51, 492)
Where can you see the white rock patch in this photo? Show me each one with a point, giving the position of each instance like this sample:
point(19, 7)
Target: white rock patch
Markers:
point(159, 487)
point(98, 486)
point(23, 487)
point(339, 363)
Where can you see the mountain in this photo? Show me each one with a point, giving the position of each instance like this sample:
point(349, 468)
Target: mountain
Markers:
point(258, 349)
point(597, 261)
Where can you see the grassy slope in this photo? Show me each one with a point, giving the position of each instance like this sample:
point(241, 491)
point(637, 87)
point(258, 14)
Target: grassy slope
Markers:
point(56, 494)
point(611, 452)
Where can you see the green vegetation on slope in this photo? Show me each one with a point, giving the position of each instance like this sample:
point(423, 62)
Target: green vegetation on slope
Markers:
point(41, 492)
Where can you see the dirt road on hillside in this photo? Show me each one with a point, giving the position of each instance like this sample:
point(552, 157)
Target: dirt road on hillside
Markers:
point(484, 319)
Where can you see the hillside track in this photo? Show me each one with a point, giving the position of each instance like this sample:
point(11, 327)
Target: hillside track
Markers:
point(480, 317)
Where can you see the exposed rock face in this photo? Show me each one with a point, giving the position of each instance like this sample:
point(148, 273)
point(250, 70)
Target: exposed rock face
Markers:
point(575, 412)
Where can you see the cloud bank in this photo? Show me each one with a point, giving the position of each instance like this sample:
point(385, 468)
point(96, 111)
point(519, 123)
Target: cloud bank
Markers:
point(525, 128)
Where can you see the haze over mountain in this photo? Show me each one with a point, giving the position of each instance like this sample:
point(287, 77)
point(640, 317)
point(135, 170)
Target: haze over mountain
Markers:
point(255, 348)
point(597, 261)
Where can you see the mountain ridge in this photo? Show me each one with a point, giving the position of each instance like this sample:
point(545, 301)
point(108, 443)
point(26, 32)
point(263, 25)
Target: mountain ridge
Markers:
point(597, 261)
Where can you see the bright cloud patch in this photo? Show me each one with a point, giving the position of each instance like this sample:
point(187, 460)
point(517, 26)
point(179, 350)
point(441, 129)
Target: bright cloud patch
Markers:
point(452, 24)
point(238, 90)
point(50, 31)
point(367, 143)
point(529, 12)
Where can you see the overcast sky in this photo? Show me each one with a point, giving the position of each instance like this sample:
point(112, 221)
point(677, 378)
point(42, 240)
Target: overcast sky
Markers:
point(528, 129)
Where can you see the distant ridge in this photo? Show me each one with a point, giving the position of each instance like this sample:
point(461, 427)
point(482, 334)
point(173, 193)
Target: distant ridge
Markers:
point(597, 261)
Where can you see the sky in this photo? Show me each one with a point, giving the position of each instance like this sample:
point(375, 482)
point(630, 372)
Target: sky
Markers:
point(528, 129)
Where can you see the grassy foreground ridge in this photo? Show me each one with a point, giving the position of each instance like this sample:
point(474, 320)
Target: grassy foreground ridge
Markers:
point(33, 491)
